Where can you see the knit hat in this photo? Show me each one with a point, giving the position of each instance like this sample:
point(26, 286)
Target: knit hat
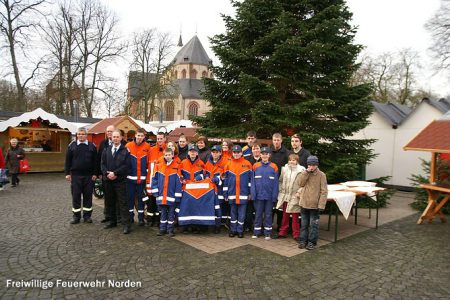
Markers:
point(312, 160)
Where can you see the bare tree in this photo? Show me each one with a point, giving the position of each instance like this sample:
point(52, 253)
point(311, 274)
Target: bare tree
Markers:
point(98, 43)
point(392, 76)
point(17, 19)
point(439, 27)
point(60, 35)
point(407, 65)
point(113, 100)
point(150, 52)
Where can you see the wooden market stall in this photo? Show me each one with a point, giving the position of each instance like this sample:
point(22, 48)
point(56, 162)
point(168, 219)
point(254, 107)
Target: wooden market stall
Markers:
point(97, 132)
point(43, 136)
point(434, 138)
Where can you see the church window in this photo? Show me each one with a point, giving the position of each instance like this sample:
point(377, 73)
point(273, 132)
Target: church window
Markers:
point(193, 74)
point(204, 74)
point(169, 111)
point(183, 74)
point(193, 109)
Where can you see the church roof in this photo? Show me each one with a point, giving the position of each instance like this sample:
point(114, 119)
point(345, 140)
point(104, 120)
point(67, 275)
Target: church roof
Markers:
point(189, 88)
point(135, 82)
point(192, 53)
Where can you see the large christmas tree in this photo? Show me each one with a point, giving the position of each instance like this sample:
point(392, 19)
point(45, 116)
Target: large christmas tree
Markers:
point(286, 67)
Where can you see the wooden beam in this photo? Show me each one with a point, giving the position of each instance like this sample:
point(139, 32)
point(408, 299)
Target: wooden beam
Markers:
point(433, 168)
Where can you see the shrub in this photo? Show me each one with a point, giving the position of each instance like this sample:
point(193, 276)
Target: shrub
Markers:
point(421, 198)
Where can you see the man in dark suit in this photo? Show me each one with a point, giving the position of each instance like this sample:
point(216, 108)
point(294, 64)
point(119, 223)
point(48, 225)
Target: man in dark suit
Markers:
point(114, 166)
point(103, 145)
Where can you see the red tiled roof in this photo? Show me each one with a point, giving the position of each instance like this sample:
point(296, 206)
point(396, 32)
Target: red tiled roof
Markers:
point(433, 138)
point(190, 133)
point(100, 127)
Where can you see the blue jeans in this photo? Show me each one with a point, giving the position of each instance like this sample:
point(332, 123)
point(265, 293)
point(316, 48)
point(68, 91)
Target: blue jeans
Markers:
point(309, 229)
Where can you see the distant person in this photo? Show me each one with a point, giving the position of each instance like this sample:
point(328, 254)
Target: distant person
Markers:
point(13, 156)
point(280, 157)
point(182, 147)
point(226, 149)
point(287, 201)
point(247, 149)
point(166, 188)
point(313, 198)
point(101, 147)
point(45, 146)
point(297, 148)
point(264, 193)
point(80, 170)
point(203, 151)
point(2, 167)
point(236, 188)
point(137, 174)
point(114, 166)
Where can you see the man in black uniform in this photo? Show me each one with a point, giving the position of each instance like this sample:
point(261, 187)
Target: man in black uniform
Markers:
point(114, 166)
point(80, 170)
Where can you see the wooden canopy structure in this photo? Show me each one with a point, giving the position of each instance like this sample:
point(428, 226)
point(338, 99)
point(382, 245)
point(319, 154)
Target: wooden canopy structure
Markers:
point(434, 138)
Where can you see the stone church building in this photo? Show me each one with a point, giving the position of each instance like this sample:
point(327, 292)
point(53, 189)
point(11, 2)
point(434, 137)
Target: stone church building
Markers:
point(185, 74)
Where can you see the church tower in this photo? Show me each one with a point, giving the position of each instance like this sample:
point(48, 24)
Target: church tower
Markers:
point(189, 66)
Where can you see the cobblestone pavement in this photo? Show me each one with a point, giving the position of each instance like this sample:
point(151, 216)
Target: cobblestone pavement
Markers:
point(400, 260)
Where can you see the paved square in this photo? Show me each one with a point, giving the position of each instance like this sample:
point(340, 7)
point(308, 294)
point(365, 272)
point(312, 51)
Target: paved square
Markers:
point(400, 260)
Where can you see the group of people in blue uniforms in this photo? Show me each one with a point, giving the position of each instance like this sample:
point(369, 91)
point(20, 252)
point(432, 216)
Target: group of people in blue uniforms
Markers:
point(227, 185)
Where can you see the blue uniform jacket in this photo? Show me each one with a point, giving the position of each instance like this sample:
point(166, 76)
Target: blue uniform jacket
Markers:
point(265, 182)
point(237, 181)
point(166, 184)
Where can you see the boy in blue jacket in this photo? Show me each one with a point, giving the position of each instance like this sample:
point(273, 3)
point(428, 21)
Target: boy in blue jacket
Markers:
point(264, 191)
point(166, 188)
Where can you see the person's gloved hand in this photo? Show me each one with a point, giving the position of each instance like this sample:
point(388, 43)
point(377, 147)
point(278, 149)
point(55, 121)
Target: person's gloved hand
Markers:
point(199, 177)
point(215, 180)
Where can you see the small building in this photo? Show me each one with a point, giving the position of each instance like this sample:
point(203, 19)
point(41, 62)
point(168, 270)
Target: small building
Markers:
point(97, 132)
point(392, 126)
point(43, 136)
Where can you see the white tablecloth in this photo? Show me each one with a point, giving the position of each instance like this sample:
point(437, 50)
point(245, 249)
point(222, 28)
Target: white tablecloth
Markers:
point(344, 201)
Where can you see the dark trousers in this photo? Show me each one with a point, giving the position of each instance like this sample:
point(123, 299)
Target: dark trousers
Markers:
point(237, 212)
point(82, 186)
point(249, 216)
point(263, 210)
point(152, 210)
point(117, 197)
point(225, 208)
point(167, 218)
point(279, 214)
point(105, 196)
point(134, 189)
point(14, 178)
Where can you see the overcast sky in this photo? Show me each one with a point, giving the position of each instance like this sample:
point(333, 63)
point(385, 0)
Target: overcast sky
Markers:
point(384, 25)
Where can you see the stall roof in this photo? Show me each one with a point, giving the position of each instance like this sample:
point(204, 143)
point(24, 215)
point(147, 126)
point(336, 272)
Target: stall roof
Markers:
point(433, 138)
point(38, 113)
